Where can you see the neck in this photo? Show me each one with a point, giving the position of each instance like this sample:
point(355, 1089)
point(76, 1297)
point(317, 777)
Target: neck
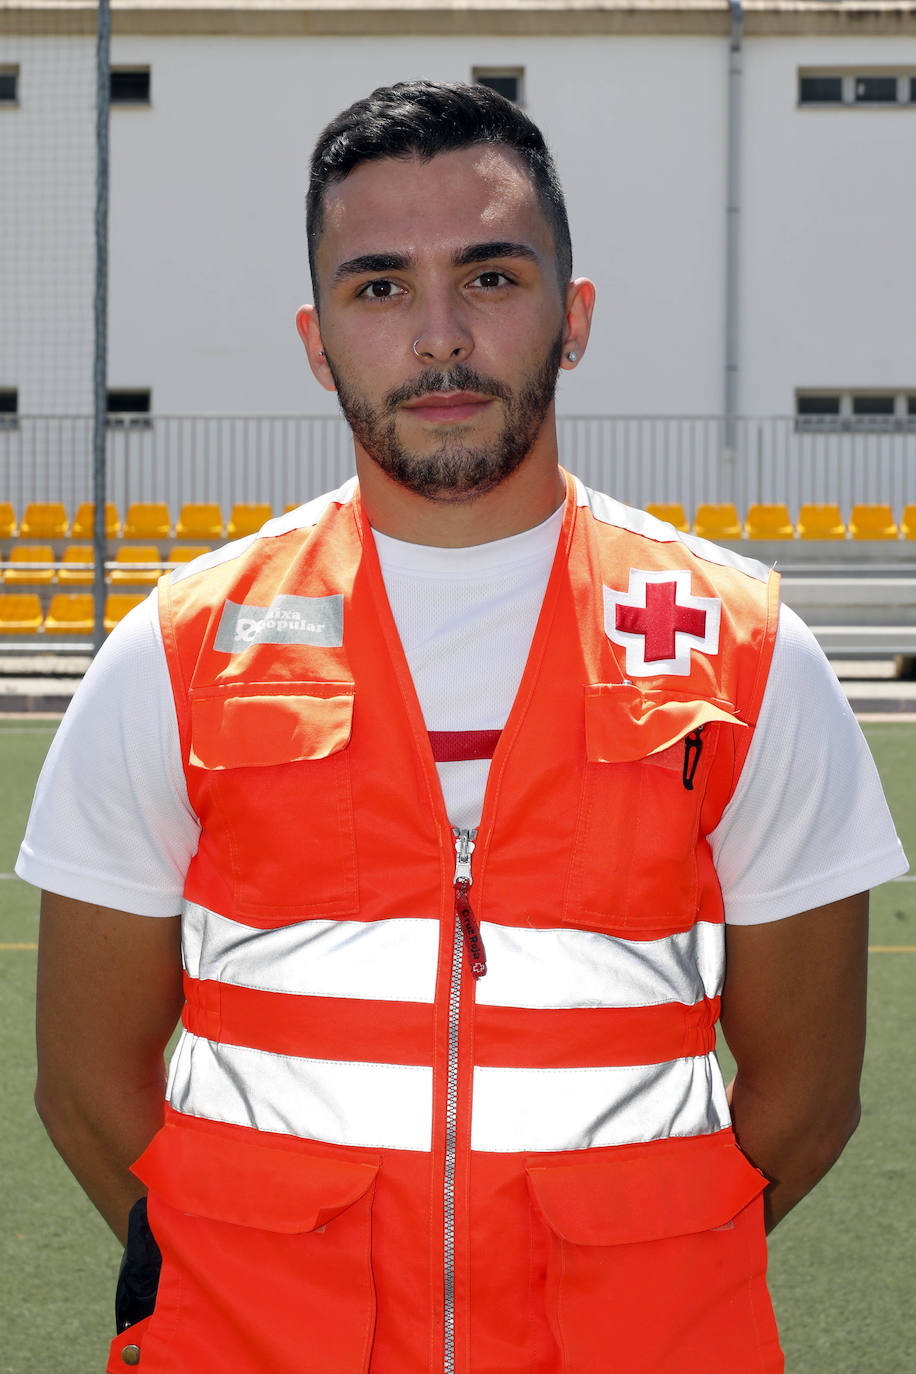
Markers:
point(524, 499)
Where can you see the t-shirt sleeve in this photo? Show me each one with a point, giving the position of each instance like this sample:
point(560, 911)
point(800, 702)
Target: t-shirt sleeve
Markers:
point(808, 823)
point(111, 822)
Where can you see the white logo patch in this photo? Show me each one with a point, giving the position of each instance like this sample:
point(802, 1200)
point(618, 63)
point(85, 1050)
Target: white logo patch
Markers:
point(658, 622)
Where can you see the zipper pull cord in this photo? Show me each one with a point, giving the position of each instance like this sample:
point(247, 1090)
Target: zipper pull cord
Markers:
point(693, 747)
point(464, 848)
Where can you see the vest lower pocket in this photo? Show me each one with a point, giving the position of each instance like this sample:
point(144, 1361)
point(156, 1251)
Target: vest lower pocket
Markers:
point(657, 1260)
point(266, 1261)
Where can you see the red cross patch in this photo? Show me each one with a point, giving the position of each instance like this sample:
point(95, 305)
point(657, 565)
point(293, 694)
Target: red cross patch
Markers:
point(658, 622)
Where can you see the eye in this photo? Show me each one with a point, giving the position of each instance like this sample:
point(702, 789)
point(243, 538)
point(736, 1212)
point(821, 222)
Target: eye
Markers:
point(491, 280)
point(381, 290)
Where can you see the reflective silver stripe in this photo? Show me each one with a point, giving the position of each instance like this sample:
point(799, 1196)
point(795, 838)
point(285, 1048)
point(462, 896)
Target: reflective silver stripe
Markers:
point(385, 961)
point(582, 968)
point(530, 1110)
point(611, 512)
point(384, 1106)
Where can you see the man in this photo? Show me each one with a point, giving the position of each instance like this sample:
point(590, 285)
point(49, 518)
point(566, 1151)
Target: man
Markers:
point(453, 778)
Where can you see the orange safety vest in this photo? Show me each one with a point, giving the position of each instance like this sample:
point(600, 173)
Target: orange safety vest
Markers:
point(376, 1156)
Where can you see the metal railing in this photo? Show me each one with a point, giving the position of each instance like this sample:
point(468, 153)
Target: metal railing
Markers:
point(288, 459)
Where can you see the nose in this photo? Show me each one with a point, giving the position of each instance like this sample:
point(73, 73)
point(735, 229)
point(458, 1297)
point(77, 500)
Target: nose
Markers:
point(444, 338)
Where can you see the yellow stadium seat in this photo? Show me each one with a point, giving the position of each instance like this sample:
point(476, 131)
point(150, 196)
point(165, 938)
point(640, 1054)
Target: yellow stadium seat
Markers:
point(117, 604)
point(70, 613)
point(18, 571)
point(247, 519)
point(147, 520)
point(137, 553)
point(77, 576)
point(44, 520)
point(769, 522)
point(872, 522)
point(200, 521)
point(821, 521)
point(84, 521)
point(20, 613)
point(672, 512)
point(185, 553)
point(7, 520)
point(908, 522)
point(717, 521)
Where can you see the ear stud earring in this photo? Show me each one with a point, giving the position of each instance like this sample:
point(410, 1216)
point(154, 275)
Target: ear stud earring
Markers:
point(573, 356)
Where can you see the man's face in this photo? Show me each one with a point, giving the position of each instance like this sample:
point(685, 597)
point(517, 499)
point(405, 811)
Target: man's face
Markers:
point(441, 316)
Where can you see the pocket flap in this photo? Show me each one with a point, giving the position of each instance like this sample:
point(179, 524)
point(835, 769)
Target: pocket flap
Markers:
point(249, 1183)
point(262, 723)
point(646, 1192)
point(623, 723)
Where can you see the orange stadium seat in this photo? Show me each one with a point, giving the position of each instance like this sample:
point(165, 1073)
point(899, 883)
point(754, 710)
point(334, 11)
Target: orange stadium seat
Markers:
point(872, 522)
point(136, 577)
point(44, 520)
point(70, 613)
point(769, 522)
point(717, 521)
point(200, 520)
point(186, 553)
point(7, 520)
point(821, 521)
point(147, 520)
point(672, 512)
point(76, 576)
point(247, 519)
point(117, 604)
point(84, 521)
point(20, 613)
point(18, 570)
point(908, 522)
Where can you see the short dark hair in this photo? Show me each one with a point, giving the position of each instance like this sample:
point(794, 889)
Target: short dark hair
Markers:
point(422, 119)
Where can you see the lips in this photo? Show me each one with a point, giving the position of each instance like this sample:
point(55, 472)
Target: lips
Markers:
point(448, 406)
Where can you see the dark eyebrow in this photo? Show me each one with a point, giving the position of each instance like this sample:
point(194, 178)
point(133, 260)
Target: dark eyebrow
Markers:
point(372, 262)
point(498, 248)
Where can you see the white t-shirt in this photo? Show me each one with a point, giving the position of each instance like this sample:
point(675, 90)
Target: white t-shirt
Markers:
point(111, 822)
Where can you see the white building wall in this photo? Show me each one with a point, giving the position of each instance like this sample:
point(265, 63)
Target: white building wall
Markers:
point(208, 259)
point(208, 246)
point(828, 214)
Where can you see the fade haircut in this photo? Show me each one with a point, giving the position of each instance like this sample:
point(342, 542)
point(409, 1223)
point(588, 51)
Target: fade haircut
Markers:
point(422, 119)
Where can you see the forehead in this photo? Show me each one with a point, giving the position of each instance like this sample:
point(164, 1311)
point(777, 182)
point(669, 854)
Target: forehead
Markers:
point(421, 207)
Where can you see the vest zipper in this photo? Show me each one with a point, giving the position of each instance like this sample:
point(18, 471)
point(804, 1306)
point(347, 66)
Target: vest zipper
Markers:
point(466, 931)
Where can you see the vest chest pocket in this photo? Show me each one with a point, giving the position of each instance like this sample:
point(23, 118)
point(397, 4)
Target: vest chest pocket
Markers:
point(633, 867)
point(270, 768)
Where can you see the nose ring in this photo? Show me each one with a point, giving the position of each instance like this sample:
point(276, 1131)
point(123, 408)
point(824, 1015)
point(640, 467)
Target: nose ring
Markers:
point(415, 353)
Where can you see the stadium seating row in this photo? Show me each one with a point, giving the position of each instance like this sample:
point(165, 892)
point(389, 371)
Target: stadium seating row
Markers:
point(721, 521)
point(68, 613)
point(204, 520)
point(143, 520)
point(35, 564)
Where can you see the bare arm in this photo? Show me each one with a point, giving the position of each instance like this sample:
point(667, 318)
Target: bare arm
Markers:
point(109, 996)
point(793, 1013)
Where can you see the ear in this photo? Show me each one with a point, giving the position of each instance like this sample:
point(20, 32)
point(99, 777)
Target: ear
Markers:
point(580, 302)
point(310, 333)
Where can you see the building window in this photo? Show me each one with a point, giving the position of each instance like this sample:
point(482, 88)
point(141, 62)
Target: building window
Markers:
point(9, 85)
point(130, 86)
point(9, 407)
point(507, 81)
point(820, 90)
point(876, 90)
point(129, 408)
point(846, 86)
point(860, 411)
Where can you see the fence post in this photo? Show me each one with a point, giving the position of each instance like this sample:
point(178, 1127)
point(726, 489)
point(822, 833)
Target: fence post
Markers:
point(100, 366)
